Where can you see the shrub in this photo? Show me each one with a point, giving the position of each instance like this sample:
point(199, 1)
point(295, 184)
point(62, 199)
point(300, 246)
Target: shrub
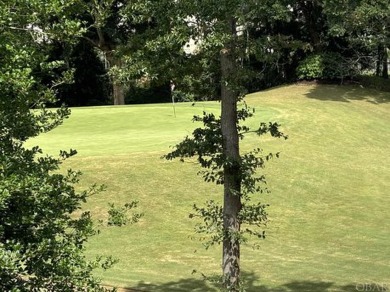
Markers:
point(182, 96)
point(326, 66)
point(118, 216)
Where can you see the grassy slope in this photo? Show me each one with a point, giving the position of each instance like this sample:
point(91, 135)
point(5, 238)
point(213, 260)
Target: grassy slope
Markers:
point(329, 226)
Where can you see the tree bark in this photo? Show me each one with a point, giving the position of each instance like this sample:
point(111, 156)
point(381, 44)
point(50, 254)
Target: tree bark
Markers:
point(385, 68)
point(232, 183)
point(118, 94)
point(312, 12)
point(108, 48)
point(379, 60)
point(118, 91)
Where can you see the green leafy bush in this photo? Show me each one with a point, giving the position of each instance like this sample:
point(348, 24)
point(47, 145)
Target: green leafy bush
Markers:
point(118, 216)
point(311, 68)
point(326, 66)
point(182, 96)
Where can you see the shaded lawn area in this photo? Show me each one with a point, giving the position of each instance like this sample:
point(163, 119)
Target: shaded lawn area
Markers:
point(329, 206)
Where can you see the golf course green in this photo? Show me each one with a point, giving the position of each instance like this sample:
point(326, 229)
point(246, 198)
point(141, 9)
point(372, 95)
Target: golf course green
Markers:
point(329, 212)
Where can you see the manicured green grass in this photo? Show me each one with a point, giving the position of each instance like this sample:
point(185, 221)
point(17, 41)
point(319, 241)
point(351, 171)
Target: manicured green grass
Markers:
point(330, 219)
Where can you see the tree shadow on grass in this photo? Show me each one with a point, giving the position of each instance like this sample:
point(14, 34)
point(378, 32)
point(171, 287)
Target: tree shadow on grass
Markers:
point(250, 279)
point(348, 93)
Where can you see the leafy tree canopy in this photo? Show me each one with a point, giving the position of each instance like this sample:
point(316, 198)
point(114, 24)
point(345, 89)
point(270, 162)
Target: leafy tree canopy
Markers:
point(41, 237)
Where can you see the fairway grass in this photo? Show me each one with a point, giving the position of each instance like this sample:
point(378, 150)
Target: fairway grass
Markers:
point(329, 213)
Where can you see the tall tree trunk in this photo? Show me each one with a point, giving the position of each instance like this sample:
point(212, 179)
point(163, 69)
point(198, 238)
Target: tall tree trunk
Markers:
point(118, 91)
point(312, 12)
point(118, 94)
point(379, 60)
point(232, 183)
point(108, 49)
point(385, 67)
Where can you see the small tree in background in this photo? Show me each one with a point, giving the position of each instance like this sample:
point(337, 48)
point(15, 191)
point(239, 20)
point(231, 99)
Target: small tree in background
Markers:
point(233, 222)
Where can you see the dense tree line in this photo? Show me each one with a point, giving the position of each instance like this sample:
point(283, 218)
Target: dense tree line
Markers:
point(331, 40)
